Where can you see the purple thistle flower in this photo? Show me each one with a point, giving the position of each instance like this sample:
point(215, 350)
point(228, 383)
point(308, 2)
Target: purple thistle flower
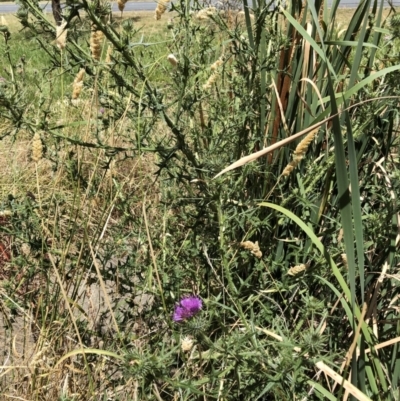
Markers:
point(187, 308)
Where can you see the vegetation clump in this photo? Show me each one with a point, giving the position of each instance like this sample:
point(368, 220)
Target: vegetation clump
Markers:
point(246, 157)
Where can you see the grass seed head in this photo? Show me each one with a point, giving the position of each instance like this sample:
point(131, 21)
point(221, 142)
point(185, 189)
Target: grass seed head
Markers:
point(215, 73)
point(37, 148)
point(96, 39)
point(121, 4)
point(61, 36)
point(206, 13)
point(109, 52)
point(253, 247)
point(160, 9)
point(78, 84)
point(299, 153)
point(295, 270)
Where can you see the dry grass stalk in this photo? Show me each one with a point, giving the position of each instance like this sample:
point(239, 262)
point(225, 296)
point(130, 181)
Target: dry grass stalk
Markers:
point(37, 148)
point(215, 73)
point(253, 247)
point(160, 9)
point(342, 382)
point(96, 39)
point(121, 4)
point(78, 84)
point(3, 21)
point(295, 270)
point(61, 36)
point(300, 152)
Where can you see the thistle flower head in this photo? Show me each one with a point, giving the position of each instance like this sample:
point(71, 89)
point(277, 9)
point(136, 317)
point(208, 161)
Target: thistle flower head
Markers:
point(187, 308)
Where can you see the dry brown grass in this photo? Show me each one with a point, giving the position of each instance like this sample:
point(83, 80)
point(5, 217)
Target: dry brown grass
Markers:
point(32, 342)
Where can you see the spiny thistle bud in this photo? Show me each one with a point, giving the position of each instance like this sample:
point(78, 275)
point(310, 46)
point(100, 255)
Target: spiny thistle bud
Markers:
point(253, 247)
point(161, 8)
point(95, 44)
point(172, 59)
point(78, 84)
point(37, 148)
point(121, 4)
point(61, 36)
